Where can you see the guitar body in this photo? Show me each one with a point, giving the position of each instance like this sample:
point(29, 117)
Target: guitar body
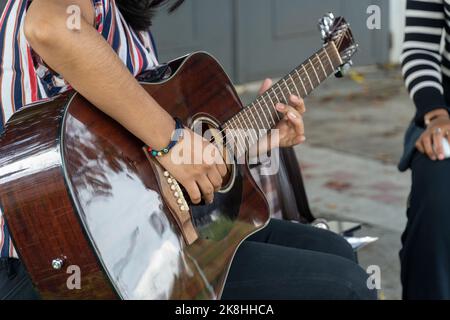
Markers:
point(93, 216)
point(78, 188)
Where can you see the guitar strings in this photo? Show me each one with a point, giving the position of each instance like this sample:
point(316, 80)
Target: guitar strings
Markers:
point(288, 84)
point(297, 75)
point(274, 93)
point(278, 88)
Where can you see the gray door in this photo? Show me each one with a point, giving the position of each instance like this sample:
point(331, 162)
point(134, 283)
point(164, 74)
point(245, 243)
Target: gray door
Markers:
point(254, 39)
point(274, 36)
point(199, 25)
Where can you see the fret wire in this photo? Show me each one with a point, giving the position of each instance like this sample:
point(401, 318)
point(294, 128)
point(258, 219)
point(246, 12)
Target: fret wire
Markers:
point(330, 54)
point(307, 75)
point(315, 72)
point(336, 53)
point(275, 96)
point(242, 140)
point(264, 113)
point(282, 93)
point(310, 82)
point(296, 89)
point(301, 81)
point(329, 59)
point(242, 115)
point(256, 105)
point(280, 88)
point(324, 71)
point(270, 112)
point(259, 116)
point(255, 124)
point(300, 78)
point(245, 112)
point(264, 108)
point(236, 143)
point(228, 132)
point(248, 131)
point(254, 109)
point(238, 130)
point(288, 88)
point(323, 53)
point(320, 69)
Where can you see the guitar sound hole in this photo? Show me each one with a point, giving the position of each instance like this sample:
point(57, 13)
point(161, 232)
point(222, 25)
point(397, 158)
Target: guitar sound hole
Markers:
point(210, 130)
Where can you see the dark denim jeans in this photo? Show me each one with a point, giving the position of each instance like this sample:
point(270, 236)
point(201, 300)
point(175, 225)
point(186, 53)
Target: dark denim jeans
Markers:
point(296, 262)
point(425, 255)
point(15, 283)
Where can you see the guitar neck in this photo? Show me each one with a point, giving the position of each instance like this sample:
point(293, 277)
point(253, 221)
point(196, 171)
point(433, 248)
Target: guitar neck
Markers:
point(259, 117)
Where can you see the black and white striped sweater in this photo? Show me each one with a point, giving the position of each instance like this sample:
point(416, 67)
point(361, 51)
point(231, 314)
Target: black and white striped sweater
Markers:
point(425, 62)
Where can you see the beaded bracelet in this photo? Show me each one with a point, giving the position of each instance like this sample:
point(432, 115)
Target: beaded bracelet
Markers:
point(175, 139)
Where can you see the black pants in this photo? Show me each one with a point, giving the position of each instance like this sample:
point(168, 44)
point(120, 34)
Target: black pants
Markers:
point(15, 284)
point(425, 256)
point(284, 261)
point(294, 261)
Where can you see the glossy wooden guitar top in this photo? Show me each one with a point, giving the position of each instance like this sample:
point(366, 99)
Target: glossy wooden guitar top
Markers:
point(76, 185)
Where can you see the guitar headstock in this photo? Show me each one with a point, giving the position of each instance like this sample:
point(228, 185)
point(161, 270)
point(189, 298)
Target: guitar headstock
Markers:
point(338, 31)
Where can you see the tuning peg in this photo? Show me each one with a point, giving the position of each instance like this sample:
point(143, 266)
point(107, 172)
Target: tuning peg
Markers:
point(324, 28)
point(325, 25)
point(324, 34)
point(331, 16)
point(343, 70)
point(328, 20)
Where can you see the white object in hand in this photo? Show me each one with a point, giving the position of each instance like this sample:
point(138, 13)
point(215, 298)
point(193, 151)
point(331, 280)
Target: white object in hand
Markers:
point(446, 147)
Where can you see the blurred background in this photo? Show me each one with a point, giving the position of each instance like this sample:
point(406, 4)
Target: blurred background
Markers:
point(354, 125)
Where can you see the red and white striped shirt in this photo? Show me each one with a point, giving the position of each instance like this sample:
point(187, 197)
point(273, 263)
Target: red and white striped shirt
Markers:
point(24, 79)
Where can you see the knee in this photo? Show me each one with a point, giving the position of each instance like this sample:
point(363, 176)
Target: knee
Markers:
point(337, 245)
point(354, 281)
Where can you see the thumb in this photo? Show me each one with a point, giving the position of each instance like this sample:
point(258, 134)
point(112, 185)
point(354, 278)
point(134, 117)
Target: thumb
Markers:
point(265, 86)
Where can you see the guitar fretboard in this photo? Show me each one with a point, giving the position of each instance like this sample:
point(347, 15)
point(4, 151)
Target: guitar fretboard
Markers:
point(254, 121)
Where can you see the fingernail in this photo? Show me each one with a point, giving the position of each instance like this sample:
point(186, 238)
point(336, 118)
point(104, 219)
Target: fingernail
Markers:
point(280, 106)
point(292, 116)
point(441, 157)
point(303, 139)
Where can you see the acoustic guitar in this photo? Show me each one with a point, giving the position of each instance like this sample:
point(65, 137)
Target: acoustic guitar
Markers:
point(82, 197)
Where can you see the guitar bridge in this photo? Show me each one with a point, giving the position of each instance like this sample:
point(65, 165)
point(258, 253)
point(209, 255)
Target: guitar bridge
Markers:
point(173, 197)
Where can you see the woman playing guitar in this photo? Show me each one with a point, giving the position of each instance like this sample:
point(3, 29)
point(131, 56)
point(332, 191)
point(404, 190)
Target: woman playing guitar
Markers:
point(47, 49)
